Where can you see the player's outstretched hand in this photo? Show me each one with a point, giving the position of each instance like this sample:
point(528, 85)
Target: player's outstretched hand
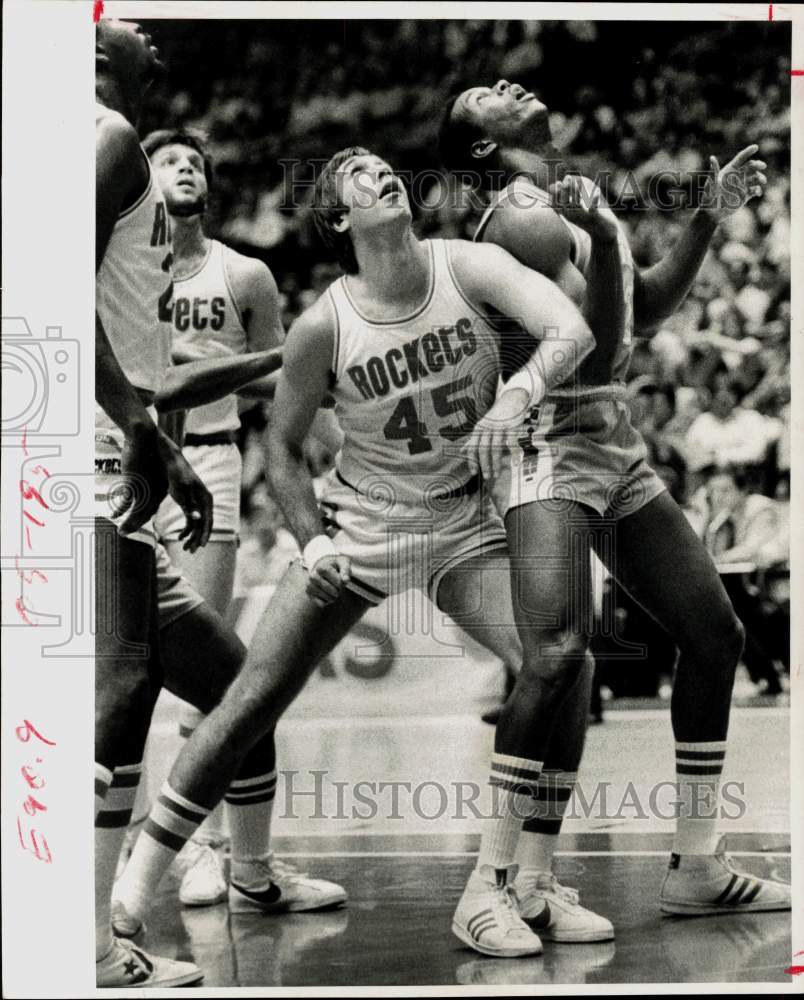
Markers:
point(584, 207)
point(142, 462)
point(729, 188)
point(189, 493)
point(327, 578)
point(495, 435)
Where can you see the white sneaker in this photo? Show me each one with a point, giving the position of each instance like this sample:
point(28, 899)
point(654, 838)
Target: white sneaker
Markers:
point(126, 965)
point(276, 886)
point(487, 917)
point(124, 924)
point(555, 910)
point(705, 884)
point(203, 883)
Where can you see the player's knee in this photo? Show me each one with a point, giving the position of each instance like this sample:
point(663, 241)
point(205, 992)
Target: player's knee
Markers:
point(125, 693)
point(559, 659)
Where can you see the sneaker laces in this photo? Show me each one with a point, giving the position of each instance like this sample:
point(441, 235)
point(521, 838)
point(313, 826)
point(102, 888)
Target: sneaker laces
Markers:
point(205, 861)
point(549, 883)
point(506, 908)
point(286, 870)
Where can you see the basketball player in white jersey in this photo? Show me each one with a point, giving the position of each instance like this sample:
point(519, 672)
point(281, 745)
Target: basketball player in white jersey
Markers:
point(133, 300)
point(582, 480)
point(404, 347)
point(224, 304)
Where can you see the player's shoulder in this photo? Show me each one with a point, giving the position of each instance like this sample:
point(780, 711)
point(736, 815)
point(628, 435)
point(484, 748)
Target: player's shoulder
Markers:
point(310, 341)
point(473, 260)
point(249, 276)
point(114, 131)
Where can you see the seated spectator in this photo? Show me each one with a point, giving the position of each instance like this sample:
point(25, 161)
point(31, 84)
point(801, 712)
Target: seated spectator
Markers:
point(728, 434)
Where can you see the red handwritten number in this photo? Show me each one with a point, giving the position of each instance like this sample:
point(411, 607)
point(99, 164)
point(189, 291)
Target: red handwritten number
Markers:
point(32, 493)
point(28, 729)
point(47, 857)
point(31, 806)
point(796, 970)
point(22, 611)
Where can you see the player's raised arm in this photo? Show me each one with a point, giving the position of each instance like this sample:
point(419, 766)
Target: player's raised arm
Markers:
point(303, 383)
point(490, 276)
point(660, 289)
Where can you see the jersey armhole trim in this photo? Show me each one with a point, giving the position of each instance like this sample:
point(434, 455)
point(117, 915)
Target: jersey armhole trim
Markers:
point(133, 208)
point(457, 284)
point(228, 284)
point(336, 340)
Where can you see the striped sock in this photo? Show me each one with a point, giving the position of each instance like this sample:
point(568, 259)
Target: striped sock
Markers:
point(103, 778)
point(515, 780)
point(111, 824)
point(213, 830)
point(698, 770)
point(170, 824)
point(539, 839)
point(249, 804)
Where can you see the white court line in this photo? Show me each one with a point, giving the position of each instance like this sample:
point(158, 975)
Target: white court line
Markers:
point(409, 721)
point(473, 854)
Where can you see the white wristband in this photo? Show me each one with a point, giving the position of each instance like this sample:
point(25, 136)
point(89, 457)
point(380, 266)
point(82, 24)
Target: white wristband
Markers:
point(316, 549)
point(531, 381)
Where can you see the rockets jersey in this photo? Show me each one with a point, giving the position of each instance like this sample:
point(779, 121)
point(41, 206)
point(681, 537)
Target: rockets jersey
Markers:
point(207, 324)
point(134, 288)
point(407, 391)
point(522, 191)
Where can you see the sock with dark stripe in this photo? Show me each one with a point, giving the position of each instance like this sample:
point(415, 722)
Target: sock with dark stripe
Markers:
point(213, 830)
point(539, 838)
point(249, 804)
point(111, 824)
point(103, 778)
point(698, 770)
point(514, 781)
point(170, 824)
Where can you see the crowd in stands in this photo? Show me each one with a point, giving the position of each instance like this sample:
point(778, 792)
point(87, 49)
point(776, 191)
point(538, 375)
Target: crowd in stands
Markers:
point(630, 102)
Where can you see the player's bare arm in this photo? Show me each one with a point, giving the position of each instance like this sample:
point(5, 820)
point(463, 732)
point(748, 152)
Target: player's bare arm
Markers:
point(490, 276)
point(659, 290)
point(537, 237)
point(198, 382)
point(303, 382)
point(257, 296)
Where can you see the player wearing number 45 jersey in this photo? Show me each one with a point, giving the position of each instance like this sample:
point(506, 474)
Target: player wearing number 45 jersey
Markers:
point(403, 345)
point(581, 480)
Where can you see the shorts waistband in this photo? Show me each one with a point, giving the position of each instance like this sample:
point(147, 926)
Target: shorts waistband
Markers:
point(220, 437)
point(588, 394)
point(469, 488)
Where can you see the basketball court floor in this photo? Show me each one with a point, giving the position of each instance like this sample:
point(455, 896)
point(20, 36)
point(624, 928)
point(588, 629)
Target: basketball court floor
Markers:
point(405, 862)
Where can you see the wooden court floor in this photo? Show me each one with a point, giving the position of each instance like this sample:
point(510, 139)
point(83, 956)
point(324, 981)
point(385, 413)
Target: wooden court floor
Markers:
point(405, 876)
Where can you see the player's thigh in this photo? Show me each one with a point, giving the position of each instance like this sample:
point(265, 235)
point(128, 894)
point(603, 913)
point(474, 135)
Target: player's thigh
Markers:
point(549, 544)
point(201, 656)
point(661, 562)
point(292, 636)
point(476, 594)
point(124, 586)
point(210, 569)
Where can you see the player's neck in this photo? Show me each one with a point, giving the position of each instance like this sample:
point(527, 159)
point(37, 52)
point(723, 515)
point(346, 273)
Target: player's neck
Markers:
point(544, 163)
point(190, 244)
point(118, 96)
point(395, 270)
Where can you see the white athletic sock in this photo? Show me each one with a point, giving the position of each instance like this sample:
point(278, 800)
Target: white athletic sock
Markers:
point(111, 824)
point(515, 781)
point(213, 830)
point(539, 838)
point(249, 803)
point(167, 829)
point(103, 778)
point(698, 770)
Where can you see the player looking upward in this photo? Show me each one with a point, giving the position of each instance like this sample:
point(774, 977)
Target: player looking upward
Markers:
point(403, 344)
point(224, 304)
point(582, 481)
